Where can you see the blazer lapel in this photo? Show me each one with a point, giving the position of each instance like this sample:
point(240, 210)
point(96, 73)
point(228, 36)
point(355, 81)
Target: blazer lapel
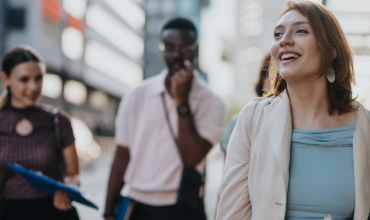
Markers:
point(278, 121)
point(361, 152)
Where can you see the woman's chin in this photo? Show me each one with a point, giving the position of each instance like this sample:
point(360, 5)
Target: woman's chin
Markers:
point(289, 75)
point(30, 103)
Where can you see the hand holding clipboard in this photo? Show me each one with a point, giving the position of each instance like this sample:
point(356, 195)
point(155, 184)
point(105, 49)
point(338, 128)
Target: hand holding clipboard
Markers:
point(49, 185)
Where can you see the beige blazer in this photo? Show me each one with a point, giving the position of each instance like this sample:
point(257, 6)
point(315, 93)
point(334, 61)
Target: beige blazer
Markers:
point(256, 176)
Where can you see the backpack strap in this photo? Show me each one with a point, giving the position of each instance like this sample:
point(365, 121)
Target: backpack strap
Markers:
point(59, 151)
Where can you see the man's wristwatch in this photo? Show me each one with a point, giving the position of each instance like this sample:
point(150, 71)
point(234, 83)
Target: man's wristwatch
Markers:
point(183, 109)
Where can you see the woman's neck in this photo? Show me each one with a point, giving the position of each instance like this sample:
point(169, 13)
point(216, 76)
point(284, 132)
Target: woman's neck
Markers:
point(18, 105)
point(309, 104)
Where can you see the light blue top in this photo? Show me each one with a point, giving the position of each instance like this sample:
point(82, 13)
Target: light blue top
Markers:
point(321, 174)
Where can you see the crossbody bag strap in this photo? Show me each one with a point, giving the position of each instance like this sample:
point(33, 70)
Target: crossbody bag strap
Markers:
point(59, 142)
point(168, 119)
point(173, 133)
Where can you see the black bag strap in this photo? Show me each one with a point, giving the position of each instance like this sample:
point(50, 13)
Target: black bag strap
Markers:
point(55, 112)
point(168, 119)
point(172, 132)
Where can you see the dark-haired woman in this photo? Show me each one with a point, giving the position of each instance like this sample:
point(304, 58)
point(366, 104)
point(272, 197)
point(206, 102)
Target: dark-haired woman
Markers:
point(28, 138)
point(303, 152)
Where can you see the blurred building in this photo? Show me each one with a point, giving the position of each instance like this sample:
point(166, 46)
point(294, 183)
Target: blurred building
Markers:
point(93, 49)
point(354, 17)
point(2, 27)
point(256, 21)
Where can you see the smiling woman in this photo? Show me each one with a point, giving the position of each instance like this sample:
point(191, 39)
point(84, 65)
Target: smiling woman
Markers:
point(27, 78)
point(312, 34)
point(302, 151)
point(28, 137)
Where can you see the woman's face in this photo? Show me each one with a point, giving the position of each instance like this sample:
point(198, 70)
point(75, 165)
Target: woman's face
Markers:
point(25, 83)
point(295, 50)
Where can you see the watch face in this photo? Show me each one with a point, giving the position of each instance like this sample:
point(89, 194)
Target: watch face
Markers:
point(183, 109)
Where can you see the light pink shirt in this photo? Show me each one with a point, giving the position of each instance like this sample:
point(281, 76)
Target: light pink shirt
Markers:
point(155, 166)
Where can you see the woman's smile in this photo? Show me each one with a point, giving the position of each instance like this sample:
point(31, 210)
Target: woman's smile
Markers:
point(288, 56)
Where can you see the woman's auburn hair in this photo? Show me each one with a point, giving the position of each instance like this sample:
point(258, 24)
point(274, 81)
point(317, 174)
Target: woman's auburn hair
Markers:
point(329, 35)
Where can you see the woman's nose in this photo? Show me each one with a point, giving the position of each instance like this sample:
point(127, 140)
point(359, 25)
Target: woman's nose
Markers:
point(33, 85)
point(286, 40)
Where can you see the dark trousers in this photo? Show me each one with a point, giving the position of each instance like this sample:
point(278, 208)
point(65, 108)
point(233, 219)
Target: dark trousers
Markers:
point(173, 212)
point(34, 209)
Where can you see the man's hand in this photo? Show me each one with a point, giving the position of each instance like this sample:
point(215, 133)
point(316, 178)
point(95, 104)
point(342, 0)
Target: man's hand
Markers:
point(181, 83)
point(61, 201)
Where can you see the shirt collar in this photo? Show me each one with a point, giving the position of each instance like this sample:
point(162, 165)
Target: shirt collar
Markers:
point(159, 83)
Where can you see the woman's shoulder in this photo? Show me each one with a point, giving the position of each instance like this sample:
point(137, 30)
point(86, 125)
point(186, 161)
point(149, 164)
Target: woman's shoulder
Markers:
point(359, 107)
point(256, 105)
point(252, 114)
point(48, 111)
point(7, 117)
point(367, 113)
point(4, 111)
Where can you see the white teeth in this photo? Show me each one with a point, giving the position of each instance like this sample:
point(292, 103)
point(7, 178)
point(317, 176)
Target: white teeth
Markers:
point(288, 55)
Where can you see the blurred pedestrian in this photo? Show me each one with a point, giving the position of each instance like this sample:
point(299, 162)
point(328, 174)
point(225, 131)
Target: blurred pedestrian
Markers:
point(309, 134)
point(262, 86)
point(164, 130)
point(28, 138)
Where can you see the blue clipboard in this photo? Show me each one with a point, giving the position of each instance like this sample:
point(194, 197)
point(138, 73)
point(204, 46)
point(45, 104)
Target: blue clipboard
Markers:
point(124, 208)
point(50, 186)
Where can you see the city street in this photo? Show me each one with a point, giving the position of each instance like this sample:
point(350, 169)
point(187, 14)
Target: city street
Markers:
point(287, 81)
point(94, 181)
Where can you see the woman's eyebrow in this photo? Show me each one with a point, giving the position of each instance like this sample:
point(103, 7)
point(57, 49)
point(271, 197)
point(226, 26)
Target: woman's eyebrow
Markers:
point(294, 24)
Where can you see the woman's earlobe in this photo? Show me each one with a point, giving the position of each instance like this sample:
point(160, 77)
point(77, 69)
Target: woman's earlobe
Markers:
point(5, 78)
point(334, 53)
